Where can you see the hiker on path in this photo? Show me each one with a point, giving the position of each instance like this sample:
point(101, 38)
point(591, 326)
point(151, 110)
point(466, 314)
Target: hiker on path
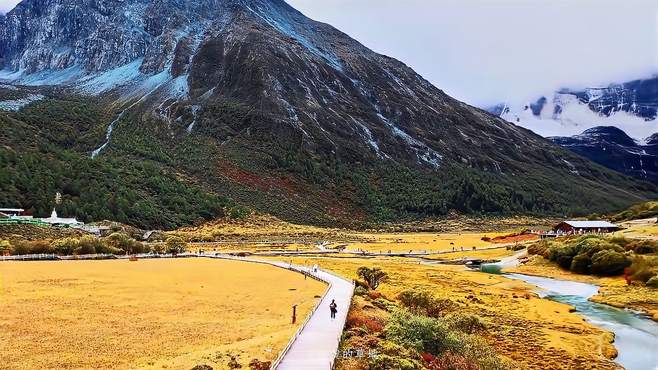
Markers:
point(334, 308)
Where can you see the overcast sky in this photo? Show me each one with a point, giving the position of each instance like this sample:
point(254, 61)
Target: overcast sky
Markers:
point(487, 51)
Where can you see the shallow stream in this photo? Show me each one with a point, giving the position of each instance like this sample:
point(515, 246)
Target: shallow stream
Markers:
point(636, 336)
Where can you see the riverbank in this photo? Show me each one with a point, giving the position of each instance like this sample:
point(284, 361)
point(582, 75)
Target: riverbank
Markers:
point(613, 291)
point(533, 333)
point(635, 336)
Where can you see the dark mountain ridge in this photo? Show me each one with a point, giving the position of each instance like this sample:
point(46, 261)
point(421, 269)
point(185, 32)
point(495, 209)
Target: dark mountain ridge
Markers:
point(252, 100)
point(612, 148)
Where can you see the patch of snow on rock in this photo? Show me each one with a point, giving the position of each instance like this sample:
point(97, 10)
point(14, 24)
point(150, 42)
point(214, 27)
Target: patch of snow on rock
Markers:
point(18, 104)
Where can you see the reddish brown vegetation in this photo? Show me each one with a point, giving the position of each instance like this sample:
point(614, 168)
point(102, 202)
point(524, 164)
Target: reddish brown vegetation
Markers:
point(512, 238)
point(362, 320)
point(449, 361)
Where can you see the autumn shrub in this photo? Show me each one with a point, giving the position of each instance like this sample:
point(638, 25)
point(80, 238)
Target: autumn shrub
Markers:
point(361, 291)
point(465, 322)
point(388, 362)
point(452, 361)
point(65, 246)
point(581, 264)
point(643, 268)
point(516, 247)
point(609, 262)
point(395, 356)
point(436, 337)
point(374, 295)
point(540, 248)
point(119, 242)
point(384, 304)
point(40, 247)
point(362, 320)
point(175, 245)
point(422, 333)
point(22, 247)
point(653, 282)
point(643, 246)
point(423, 302)
point(256, 364)
point(88, 245)
point(5, 247)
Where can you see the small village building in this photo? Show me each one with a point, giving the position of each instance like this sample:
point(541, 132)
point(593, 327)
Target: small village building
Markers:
point(585, 227)
point(11, 212)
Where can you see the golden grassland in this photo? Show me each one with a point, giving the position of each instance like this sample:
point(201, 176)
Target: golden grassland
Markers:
point(485, 254)
point(535, 333)
point(432, 242)
point(254, 229)
point(259, 232)
point(647, 229)
point(150, 313)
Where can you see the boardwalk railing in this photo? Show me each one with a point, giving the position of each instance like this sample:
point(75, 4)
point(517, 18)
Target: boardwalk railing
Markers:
point(30, 257)
point(299, 330)
point(306, 272)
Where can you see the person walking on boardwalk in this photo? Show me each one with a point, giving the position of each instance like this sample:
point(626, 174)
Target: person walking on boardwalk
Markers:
point(333, 307)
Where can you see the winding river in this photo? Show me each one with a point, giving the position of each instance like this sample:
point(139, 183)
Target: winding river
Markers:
point(636, 337)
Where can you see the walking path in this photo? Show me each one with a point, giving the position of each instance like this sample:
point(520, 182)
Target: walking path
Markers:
point(315, 346)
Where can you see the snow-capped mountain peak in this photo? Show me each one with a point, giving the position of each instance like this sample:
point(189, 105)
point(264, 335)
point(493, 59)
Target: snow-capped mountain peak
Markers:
point(630, 106)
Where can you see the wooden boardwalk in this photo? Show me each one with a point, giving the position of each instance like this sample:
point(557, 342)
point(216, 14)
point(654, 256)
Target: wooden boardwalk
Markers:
point(315, 345)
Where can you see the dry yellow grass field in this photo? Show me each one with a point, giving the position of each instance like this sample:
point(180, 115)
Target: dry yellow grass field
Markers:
point(405, 242)
point(647, 229)
point(527, 329)
point(151, 313)
point(486, 254)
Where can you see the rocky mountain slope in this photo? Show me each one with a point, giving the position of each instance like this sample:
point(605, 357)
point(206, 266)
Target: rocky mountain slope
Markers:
point(629, 106)
point(251, 101)
point(612, 148)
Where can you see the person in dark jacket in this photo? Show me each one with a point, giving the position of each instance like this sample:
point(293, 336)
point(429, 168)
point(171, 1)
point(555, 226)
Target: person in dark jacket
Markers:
point(333, 307)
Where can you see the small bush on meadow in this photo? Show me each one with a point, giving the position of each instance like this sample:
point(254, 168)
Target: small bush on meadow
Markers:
point(395, 356)
point(65, 246)
point(30, 247)
point(422, 333)
point(436, 337)
point(362, 320)
point(361, 291)
point(118, 242)
point(609, 262)
point(450, 361)
point(175, 245)
point(88, 245)
point(466, 322)
point(5, 247)
point(643, 247)
point(388, 362)
point(540, 248)
point(653, 282)
point(424, 303)
point(643, 268)
point(581, 264)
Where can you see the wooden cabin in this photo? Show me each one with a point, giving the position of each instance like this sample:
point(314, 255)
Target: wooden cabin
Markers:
point(585, 227)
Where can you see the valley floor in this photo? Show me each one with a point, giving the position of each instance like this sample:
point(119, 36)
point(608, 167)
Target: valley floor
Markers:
point(137, 320)
point(171, 314)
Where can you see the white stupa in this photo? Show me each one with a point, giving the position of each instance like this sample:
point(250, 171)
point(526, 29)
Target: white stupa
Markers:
point(56, 220)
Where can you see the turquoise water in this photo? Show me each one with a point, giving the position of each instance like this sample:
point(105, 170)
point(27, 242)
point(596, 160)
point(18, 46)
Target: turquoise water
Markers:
point(636, 337)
